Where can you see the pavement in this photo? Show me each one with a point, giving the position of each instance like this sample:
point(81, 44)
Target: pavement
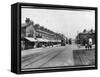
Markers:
point(84, 57)
point(36, 50)
point(83, 47)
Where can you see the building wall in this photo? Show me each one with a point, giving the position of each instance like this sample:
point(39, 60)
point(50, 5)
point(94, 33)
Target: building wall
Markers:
point(47, 35)
point(82, 38)
point(29, 30)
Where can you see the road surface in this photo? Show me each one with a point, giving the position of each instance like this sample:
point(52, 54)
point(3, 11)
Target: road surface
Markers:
point(48, 57)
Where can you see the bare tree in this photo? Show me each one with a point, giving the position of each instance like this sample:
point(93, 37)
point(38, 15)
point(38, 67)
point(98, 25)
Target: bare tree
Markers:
point(84, 30)
point(91, 30)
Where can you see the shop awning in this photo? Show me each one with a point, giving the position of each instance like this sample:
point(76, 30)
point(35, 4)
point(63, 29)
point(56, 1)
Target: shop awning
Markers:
point(31, 39)
point(55, 40)
point(40, 39)
point(45, 40)
point(52, 40)
point(59, 40)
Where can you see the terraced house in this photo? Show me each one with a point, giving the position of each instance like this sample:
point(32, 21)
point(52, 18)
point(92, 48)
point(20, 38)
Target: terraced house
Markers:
point(34, 35)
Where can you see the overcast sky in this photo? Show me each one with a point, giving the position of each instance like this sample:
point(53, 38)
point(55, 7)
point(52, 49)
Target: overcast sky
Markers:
point(67, 22)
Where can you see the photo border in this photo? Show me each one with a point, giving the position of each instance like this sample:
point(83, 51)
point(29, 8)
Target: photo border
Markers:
point(52, 69)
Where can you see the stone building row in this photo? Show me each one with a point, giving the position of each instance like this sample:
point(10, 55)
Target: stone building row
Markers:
point(37, 34)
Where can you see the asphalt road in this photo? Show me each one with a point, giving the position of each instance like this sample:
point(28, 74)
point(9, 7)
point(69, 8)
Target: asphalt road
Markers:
point(49, 57)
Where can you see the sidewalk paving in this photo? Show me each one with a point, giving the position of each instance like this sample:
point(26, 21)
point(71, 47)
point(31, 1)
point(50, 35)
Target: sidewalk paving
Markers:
point(30, 51)
point(84, 56)
point(83, 47)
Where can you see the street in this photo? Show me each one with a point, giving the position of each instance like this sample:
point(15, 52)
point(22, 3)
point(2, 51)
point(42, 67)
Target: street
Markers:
point(48, 57)
point(54, 56)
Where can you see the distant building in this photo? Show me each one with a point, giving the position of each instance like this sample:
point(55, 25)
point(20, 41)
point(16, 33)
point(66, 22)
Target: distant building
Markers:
point(83, 37)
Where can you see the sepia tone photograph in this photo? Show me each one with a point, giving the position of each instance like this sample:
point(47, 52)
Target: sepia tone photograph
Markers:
point(55, 38)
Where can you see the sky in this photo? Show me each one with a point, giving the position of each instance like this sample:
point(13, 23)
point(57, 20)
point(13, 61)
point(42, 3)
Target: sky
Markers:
point(67, 22)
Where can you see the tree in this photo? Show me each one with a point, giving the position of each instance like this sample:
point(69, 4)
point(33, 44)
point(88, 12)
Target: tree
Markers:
point(84, 30)
point(27, 20)
point(91, 30)
point(42, 28)
point(36, 26)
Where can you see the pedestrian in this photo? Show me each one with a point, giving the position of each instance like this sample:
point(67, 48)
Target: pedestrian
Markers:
point(90, 42)
point(70, 41)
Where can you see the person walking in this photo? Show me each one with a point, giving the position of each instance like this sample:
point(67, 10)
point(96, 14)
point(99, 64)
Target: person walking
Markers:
point(90, 42)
